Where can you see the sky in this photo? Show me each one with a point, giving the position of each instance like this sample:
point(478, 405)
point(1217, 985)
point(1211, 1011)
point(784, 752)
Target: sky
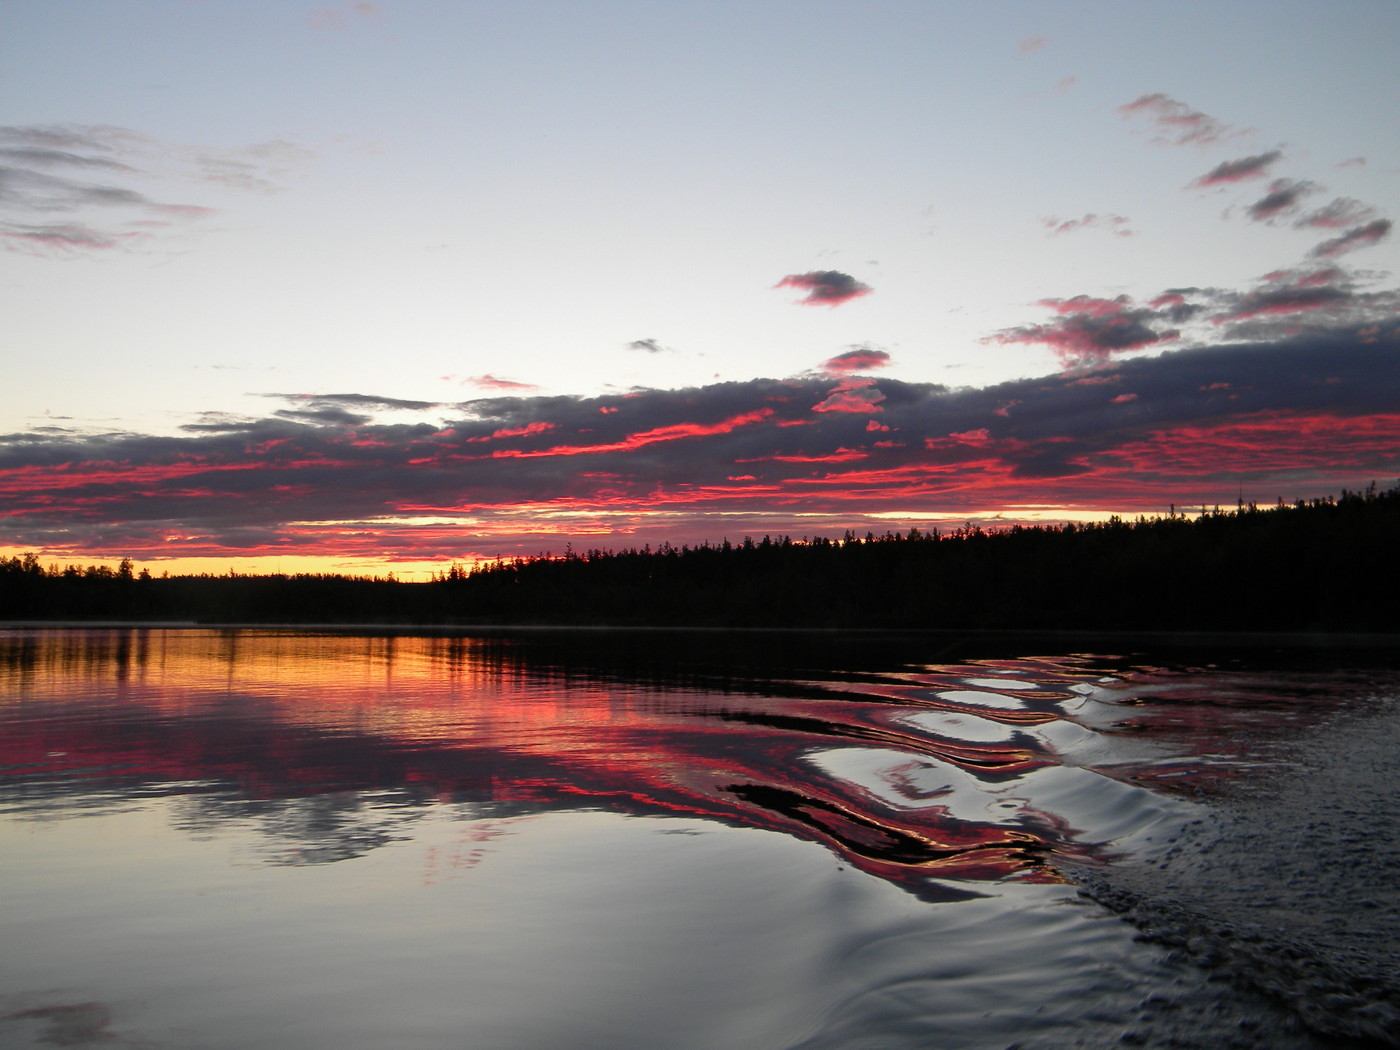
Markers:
point(372, 287)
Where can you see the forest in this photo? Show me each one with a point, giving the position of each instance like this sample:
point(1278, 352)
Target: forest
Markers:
point(1327, 564)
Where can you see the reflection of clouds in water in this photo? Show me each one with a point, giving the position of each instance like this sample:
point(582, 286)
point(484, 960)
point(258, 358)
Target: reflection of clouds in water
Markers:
point(1062, 805)
point(60, 1024)
point(1000, 683)
point(528, 883)
point(330, 748)
point(309, 829)
point(959, 726)
point(980, 698)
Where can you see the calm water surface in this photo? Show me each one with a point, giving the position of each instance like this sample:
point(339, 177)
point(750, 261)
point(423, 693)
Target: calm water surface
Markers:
point(301, 839)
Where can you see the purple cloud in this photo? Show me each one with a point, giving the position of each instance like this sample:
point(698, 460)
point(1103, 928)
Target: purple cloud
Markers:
point(1090, 331)
point(1282, 198)
point(1341, 213)
point(1357, 237)
point(1116, 224)
point(1178, 123)
point(92, 206)
point(1238, 170)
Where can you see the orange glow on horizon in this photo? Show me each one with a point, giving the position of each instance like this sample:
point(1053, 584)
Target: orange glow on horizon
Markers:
point(528, 537)
point(260, 564)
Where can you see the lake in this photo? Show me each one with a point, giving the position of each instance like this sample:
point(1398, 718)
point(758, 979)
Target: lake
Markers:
point(215, 839)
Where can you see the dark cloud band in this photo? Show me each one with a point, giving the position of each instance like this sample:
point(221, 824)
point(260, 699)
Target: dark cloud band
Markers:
point(1291, 417)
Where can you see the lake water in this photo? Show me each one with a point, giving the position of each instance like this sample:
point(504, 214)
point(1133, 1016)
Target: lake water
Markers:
point(216, 839)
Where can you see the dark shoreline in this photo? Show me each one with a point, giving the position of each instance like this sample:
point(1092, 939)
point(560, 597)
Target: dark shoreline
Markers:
point(1204, 637)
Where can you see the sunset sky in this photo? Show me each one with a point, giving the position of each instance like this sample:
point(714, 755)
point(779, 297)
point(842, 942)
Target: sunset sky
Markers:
point(380, 286)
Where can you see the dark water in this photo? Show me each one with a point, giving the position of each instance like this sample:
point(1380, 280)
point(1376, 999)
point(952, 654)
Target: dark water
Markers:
point(301, 839)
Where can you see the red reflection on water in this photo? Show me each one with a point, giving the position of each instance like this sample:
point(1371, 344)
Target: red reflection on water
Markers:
point(283, 715)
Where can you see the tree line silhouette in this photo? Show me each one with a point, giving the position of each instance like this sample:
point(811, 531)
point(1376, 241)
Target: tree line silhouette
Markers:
point(1321, 564)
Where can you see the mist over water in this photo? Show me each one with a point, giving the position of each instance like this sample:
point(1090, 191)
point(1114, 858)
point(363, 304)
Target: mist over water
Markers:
point(606, 839)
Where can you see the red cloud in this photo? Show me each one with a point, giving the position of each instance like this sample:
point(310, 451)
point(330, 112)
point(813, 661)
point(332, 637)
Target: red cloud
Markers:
point(825, 287)
point(1289, 418)
point(646, 437)
point(857, 360)
point(841, 455)
point(978, 438)
point(529, 430)
point(1264, 442)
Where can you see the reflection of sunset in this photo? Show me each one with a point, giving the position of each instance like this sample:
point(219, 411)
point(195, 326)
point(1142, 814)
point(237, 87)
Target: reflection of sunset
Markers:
point(908, 773)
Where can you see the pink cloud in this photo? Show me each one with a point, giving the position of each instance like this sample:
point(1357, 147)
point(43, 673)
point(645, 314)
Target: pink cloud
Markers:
point(852, 395)
point(825, 287)
point(64, 239)
point(1085, 304)
point(490, 382)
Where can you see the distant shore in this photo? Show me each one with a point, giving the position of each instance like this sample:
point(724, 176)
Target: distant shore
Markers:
point(1320, 567)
